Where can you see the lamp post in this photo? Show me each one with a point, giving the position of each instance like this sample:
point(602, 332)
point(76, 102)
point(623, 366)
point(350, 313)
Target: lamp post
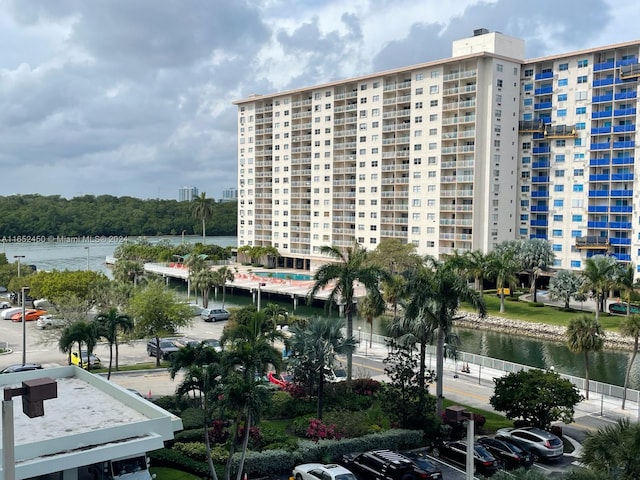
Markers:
point(88, 250)
point(19, 257)
point(24, 291)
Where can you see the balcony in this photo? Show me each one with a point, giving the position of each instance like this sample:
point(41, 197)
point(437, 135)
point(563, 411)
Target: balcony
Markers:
point(602, 114)
point(622, 161)
point(626, 144)
point(540, 194)
point(598, 209)
point(602, 177)
point(544, 75)
point(620, 209)
point(542, 106)
point(601, 130)
point(624, 128)
point(540, 165)
point(525, 126)
point(539, 223)
point(624, 112)
point(603, 66)
point(619, 241)
point(622, 177)
point(540, 150)
point(596, 224)
point(603, 98)
point(592, 243)
point(546, 90)
point(620, 225)
point(540, 179)
point(540, 208)
point(621, 257)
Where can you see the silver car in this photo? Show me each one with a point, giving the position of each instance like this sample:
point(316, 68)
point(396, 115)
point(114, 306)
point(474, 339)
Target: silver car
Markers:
point(214, 314)
point(541, 444)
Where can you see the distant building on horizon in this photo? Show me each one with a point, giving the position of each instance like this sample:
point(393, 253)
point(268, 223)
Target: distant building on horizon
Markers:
point(229, 194)
point(186, 194)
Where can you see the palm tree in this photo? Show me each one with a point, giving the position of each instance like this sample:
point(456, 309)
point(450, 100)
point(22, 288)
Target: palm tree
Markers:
point(598, 274)
point(371, 307)
point(584, 335)
point(127, 270)
point(394, 289)
point(476, 265)
point(195, 263)
point(203, 280)
point(351, 266)
point(612, 451)
point(315, 346)
point(623, 279)
point(202, 209)
point(222, 276)
point(536, 256)
point(437, 292)
point(82, 333)
point(503, 266)
point(630, 327)
point(112, 322)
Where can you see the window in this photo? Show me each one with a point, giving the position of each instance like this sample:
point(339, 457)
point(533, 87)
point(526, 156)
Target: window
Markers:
point(363, 86)
point(582, 79)
point(556, 233)
point(528, 87)
point(363, 100)
point(563, 82)
point(575, 264)
point(418, 147)
point(562, 112)
point(433, 89)
point(363, 113)
point(562, 97)
point(576, 218)
point(433, 117)
point(419, 76)
point(578, 172)
point(499, 83)
point(419, 91)
point(417, 133)
point(559, 203)
point(558, 188)
point(417, 120)
point(558, 218)
point(375, 113)
point(578, 187)
point(433, 103)
point(559, 173)
point(559, 158)
point(557, 247)
point(499, 67)
point(583, 63)
point(433, 146)
point(563, 67)
point(581, 110)
point(528, 72)
point(576, 233)
point(561, 143)
point(580, 126)
point(528, 102)
point(417, 161)
point(416, 202)
point(433, 131)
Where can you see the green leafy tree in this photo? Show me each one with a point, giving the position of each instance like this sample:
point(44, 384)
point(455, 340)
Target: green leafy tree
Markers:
point(371, 307)
point(538, 397)
point(599, 273)
point(57, 285)
point(157, 312)
point(81, 333)
point(128, 271)
point(112, 323)
point(202, 209)
point(536, 257)
point(584, 335)
point(564, 285)
point(613, 450)
point(348, 267)
point(630, 327)
point(316, 346)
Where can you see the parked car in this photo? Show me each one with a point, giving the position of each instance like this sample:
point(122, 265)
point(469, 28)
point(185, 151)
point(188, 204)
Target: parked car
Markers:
point(509, 455)
point(21, 367)
point(166, 348)
point(50, 321)
point(456, 452)
point(420, 458)
point(84, 361)
point(209, 342)
point(383, 465)
point(214, 314)
point(317, 471)
point(542, 445)
point(4, 305)
point(29, 315)
point(335, 375)
point(6, 313)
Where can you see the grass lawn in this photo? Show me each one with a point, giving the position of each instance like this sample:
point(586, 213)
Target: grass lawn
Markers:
point(526, 311)
point(494, 422)
point(164, 473)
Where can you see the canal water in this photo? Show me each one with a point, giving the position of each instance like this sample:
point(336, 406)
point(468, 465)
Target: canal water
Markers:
point(608, 366)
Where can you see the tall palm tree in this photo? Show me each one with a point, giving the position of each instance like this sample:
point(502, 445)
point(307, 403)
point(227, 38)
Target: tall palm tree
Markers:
point(584, 335)
point(316, 345)
point(394, 289)
point(371, 307)
point(503, 266)
point(195, 263)
point(82, 333)
point(623, 279)
point(202, 209)
point(437, 292)
point(111, 323)
point(536, 257)
point(350, 267)
point(630, 327)
point(598, 276)
point(476, 265)
point(203, 280)
point(223, 275)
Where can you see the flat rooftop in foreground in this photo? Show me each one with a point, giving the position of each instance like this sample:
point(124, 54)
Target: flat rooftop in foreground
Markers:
point(91, 420)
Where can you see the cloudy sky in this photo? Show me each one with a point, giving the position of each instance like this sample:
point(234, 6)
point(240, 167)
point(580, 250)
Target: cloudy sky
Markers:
point(133, 97)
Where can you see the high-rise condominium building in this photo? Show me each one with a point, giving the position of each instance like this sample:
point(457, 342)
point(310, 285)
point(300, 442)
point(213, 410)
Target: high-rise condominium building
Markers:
point(456, 154)
point(229, 194)
point(186, 194)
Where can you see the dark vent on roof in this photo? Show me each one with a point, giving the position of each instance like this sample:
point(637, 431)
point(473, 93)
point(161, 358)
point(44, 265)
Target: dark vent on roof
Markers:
point(480, 31)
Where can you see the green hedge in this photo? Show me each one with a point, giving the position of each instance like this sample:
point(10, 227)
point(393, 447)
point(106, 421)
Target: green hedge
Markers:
point(166, 457)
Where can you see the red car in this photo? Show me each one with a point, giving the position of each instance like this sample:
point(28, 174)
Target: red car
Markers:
point(30, 314)
point(279, 380)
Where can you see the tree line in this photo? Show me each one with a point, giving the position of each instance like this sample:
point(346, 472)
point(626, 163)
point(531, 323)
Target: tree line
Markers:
point(89, 215)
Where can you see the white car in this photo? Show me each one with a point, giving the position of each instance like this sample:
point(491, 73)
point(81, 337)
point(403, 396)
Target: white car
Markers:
point(5, 305)
point(50, 321)
point(318, 471)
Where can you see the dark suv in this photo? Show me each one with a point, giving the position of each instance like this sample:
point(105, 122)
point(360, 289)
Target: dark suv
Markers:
point(385, 465)
point(167, 348)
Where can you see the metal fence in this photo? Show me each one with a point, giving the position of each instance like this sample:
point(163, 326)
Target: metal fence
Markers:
point(488, 363)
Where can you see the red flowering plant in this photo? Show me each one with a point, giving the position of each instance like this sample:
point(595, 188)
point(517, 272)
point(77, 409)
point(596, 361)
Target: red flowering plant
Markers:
point(319, 431)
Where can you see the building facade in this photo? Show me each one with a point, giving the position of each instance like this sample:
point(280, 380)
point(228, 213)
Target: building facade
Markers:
point(457, 154)
point(229, 194)
point(186, 194)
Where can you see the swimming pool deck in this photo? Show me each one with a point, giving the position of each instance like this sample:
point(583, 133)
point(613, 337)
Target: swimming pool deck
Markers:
point(246, 279)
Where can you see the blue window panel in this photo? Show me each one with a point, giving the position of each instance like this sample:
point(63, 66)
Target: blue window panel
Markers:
point(528, 87)
point(578, 143)
point(525, 188)
point(559, 158)
point(524, 217)
point(556, 233)
point(583, 63)
point(576, 233)
point(558, 188)
point(557, 262)
point(580, 125)
point(577, 264)
point(527, 116)
point(638, 268)
point(558, 203)
point(563, 82)
point(563, 67)
point(557, 218)
point(524, 231)
point(557, 247)
point(528, 101)
point(578, 156)
point(581, 110)
point(562, 97)
point(578, 187)
point(526, 160)
point(562, 112)
point(576, 218)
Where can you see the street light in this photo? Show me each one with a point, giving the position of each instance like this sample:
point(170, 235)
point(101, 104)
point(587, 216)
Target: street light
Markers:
point(87, 249)
point(24, 291)
point(19, 257)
